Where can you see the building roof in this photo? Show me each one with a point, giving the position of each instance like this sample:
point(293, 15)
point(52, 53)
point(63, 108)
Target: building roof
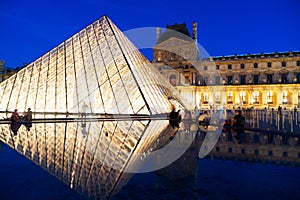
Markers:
point(257, 56)
point(178, 31)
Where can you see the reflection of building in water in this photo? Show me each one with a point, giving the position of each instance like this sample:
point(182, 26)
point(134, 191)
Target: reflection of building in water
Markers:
point(187, 164)
point(258, 80)
point(259, 147)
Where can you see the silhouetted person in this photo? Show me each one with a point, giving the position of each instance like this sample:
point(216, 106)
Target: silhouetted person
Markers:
point(28, 115)
point(15, 117)
point(28, 119)
point(15, 122)
point(226, 125)
point(238, 122)
point(279, 110)
point(174, 117)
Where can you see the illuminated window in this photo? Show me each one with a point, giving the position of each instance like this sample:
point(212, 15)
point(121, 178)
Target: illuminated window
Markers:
point(269, 97)
point(229, 97)
point(256, 97)
point(243, 97)
point(284, 97)
point(205, 99)
point(218, 97)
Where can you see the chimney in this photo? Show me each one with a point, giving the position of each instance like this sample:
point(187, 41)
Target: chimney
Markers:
point(158, 33)
point(195, 31)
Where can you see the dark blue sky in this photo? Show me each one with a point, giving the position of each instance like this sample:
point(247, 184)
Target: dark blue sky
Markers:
point(31, 28)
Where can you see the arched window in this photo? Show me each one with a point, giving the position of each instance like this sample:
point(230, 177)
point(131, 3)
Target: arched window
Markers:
point(284, 97)
point(205, 97)
point(229, 97)
point(256, 97)
point(218, 97)
point(243, 97)
point(270, 97)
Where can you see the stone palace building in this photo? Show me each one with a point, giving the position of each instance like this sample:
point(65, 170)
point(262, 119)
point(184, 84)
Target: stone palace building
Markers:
point(265, 80)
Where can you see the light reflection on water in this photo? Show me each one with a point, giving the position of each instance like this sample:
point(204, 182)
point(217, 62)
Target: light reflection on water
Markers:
point(92, 157)
point(76, 165)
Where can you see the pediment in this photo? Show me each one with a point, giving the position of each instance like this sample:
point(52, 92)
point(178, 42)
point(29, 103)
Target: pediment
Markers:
point(173, 42)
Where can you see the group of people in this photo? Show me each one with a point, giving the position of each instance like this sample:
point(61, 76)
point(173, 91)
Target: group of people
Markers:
point(234, 126)
point(17, 120)
point(15, 117)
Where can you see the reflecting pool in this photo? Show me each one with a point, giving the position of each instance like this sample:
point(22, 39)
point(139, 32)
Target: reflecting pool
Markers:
point(145, 158)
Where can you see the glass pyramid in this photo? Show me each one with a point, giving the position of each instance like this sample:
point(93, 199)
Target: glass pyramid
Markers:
point(99, 67)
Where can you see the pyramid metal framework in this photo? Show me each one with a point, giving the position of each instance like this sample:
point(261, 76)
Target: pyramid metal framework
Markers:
point(101, 68)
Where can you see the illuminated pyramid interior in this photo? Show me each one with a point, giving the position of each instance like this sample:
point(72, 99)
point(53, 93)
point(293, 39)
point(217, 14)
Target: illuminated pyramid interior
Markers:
point(99, 67)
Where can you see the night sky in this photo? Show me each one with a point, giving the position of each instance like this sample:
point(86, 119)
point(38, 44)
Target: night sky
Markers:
point(31, 28)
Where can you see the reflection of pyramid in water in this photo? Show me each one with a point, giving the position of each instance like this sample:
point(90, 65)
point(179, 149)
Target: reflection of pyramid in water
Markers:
point(99, 67)
point(90, 157)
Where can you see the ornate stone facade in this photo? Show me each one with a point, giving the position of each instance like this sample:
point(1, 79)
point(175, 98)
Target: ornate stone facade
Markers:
point(250, 80)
